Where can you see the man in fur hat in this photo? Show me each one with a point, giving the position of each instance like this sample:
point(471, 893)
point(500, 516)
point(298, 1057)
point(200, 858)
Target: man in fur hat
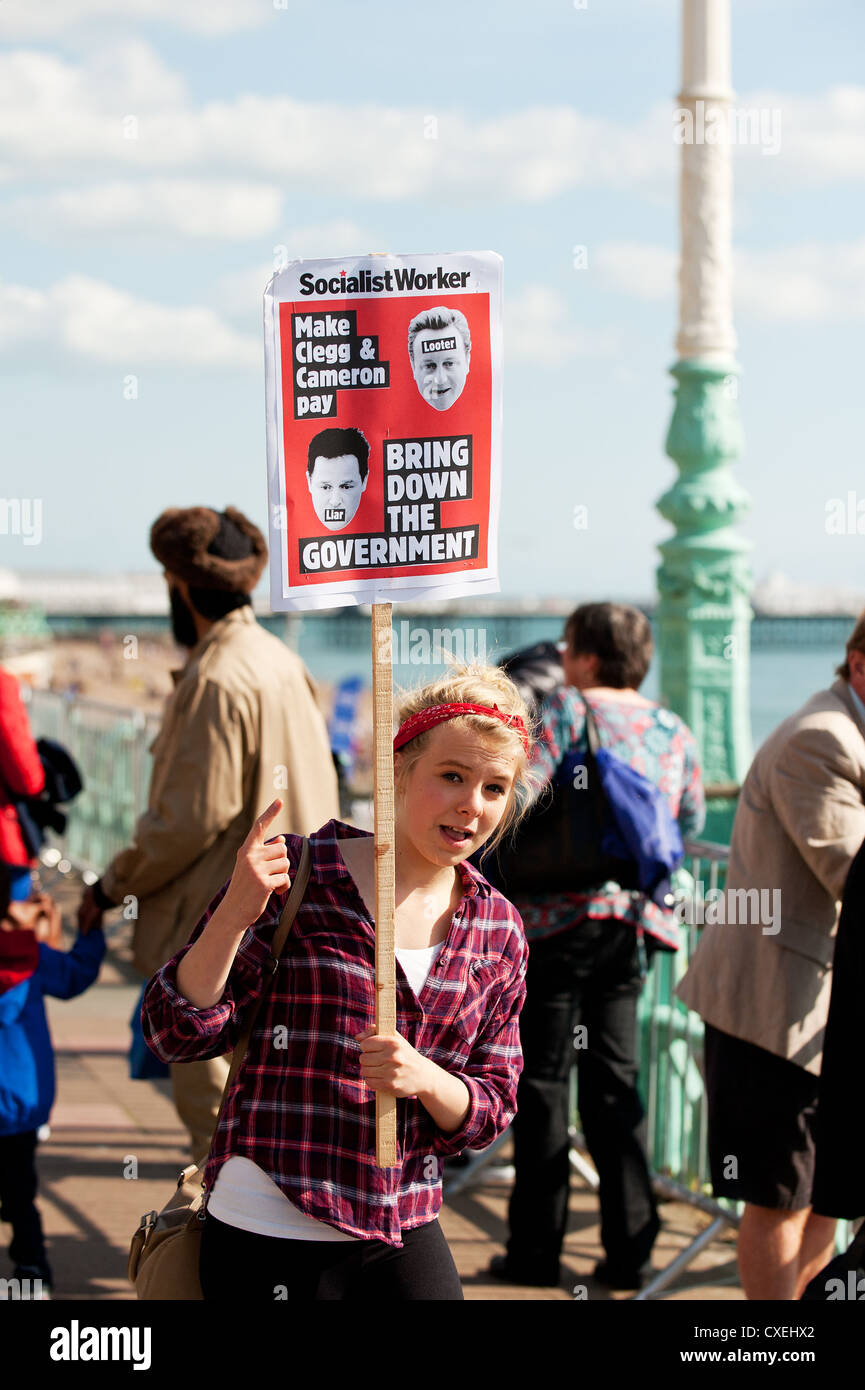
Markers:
point(241, 727)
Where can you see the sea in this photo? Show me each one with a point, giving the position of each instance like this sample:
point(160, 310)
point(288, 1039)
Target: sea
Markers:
point(790, 657)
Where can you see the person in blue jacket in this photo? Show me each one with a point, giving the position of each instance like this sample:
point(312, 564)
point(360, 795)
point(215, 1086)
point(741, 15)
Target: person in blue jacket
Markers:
point(30, 969)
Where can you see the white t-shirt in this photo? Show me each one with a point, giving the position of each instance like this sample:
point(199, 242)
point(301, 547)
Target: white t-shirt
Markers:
point(245, 1196)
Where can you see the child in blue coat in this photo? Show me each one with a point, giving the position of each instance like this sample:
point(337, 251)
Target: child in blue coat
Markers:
point(30, 969)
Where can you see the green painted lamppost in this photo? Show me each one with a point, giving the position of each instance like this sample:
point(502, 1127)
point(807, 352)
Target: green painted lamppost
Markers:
point(704, 613)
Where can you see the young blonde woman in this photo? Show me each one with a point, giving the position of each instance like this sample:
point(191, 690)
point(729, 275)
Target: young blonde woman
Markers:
point(296, 1207)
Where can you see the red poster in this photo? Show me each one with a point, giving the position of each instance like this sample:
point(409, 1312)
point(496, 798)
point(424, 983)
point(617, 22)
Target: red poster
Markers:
point(384, 428)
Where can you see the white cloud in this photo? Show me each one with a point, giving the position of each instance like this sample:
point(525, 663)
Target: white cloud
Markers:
point(122, 109)
point(802, 284)
point(819, 138)
point(538, 329)
point(811, 283)
point(646, 272)
point(92, 321)
point(212, 209)
point(24, 19)
point(115, 78)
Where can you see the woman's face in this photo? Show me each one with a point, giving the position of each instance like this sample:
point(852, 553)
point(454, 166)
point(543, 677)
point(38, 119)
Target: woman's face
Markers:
point(454, 796)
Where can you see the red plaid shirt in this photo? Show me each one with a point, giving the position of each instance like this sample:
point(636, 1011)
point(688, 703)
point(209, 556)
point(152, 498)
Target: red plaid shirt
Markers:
point(299, 1108)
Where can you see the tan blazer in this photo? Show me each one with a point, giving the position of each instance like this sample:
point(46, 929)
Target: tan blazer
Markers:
point(241, 727)
point(799, 822)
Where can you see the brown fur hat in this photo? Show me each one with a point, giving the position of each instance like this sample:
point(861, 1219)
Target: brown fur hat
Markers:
point(210, 549)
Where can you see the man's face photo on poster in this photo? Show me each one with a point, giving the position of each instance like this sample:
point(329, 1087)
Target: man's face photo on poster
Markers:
point(337, 474)
point(439, 346)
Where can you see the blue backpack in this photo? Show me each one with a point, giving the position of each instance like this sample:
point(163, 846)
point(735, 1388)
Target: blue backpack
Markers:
point(643, 828)
point(619, 827)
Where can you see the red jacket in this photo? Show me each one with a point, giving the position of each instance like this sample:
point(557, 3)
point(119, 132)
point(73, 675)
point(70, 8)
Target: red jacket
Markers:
point(21, 772)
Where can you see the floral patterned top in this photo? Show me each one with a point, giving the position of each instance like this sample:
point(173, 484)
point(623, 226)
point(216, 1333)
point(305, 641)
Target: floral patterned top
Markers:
point(656, 743)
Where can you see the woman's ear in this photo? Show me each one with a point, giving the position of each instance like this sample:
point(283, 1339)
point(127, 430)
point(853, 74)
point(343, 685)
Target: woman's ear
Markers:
point(398, 769)
point(404, 765)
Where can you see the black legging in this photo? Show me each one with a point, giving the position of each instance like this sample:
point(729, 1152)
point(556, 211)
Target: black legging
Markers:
point(241, 1266)
point(590, 975)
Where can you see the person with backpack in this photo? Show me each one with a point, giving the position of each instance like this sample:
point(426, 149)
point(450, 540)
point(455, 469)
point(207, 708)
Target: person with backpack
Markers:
point(589, 948)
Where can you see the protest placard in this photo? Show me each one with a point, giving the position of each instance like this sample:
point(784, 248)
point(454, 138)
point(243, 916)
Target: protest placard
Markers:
point(384, 403)
point(384, 407)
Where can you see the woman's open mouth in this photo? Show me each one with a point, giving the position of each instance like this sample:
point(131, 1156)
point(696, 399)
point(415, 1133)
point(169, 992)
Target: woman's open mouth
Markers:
point(455, 835)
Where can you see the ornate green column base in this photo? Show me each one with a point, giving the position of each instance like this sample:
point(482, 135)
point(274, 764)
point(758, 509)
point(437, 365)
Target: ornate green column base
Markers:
point(704, 614)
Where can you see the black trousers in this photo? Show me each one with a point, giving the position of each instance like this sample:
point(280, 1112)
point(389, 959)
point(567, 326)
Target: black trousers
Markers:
point(240, 1265)
point(587, 978)
point(18, 1185)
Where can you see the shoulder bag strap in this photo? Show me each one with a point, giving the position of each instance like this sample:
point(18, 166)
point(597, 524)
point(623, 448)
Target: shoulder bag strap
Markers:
point(592, 737)
point(593, 743)
point(289, 912)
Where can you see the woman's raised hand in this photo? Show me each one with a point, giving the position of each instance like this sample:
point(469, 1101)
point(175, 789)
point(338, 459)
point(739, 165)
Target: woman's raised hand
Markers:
point(260, 869)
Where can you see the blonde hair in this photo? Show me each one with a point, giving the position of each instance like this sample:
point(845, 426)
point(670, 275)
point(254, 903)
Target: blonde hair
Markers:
point(477, 684)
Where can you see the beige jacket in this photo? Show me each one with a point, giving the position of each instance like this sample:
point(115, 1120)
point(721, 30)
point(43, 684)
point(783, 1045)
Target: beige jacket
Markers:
point(799, 822)
point(241, 727)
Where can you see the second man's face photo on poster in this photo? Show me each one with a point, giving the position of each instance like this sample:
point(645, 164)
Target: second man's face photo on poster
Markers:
point(337, 474)
point(336, 487)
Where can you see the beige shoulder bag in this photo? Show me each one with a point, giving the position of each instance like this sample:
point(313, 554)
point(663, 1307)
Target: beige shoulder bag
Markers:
point(163, 1256)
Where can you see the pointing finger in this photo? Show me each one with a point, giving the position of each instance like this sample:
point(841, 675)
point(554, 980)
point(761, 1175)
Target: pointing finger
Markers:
point(266, 819)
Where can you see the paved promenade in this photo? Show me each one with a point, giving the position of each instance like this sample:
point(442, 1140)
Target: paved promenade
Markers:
point(116, 1146)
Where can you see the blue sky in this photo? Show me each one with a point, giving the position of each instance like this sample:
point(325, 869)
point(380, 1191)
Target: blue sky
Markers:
point(255, 127)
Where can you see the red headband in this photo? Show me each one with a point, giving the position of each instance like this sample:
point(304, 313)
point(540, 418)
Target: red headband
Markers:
point(437, 714)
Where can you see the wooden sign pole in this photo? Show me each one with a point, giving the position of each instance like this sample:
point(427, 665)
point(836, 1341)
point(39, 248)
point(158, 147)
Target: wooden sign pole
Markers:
point(385, 863)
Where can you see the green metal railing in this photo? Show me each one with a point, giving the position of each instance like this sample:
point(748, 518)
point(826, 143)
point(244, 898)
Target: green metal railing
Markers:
point(671, 1041)
point(110, 743)
point(671, 1081)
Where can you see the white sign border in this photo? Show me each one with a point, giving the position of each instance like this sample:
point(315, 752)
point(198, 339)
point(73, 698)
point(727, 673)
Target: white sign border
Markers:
point(284, 285)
